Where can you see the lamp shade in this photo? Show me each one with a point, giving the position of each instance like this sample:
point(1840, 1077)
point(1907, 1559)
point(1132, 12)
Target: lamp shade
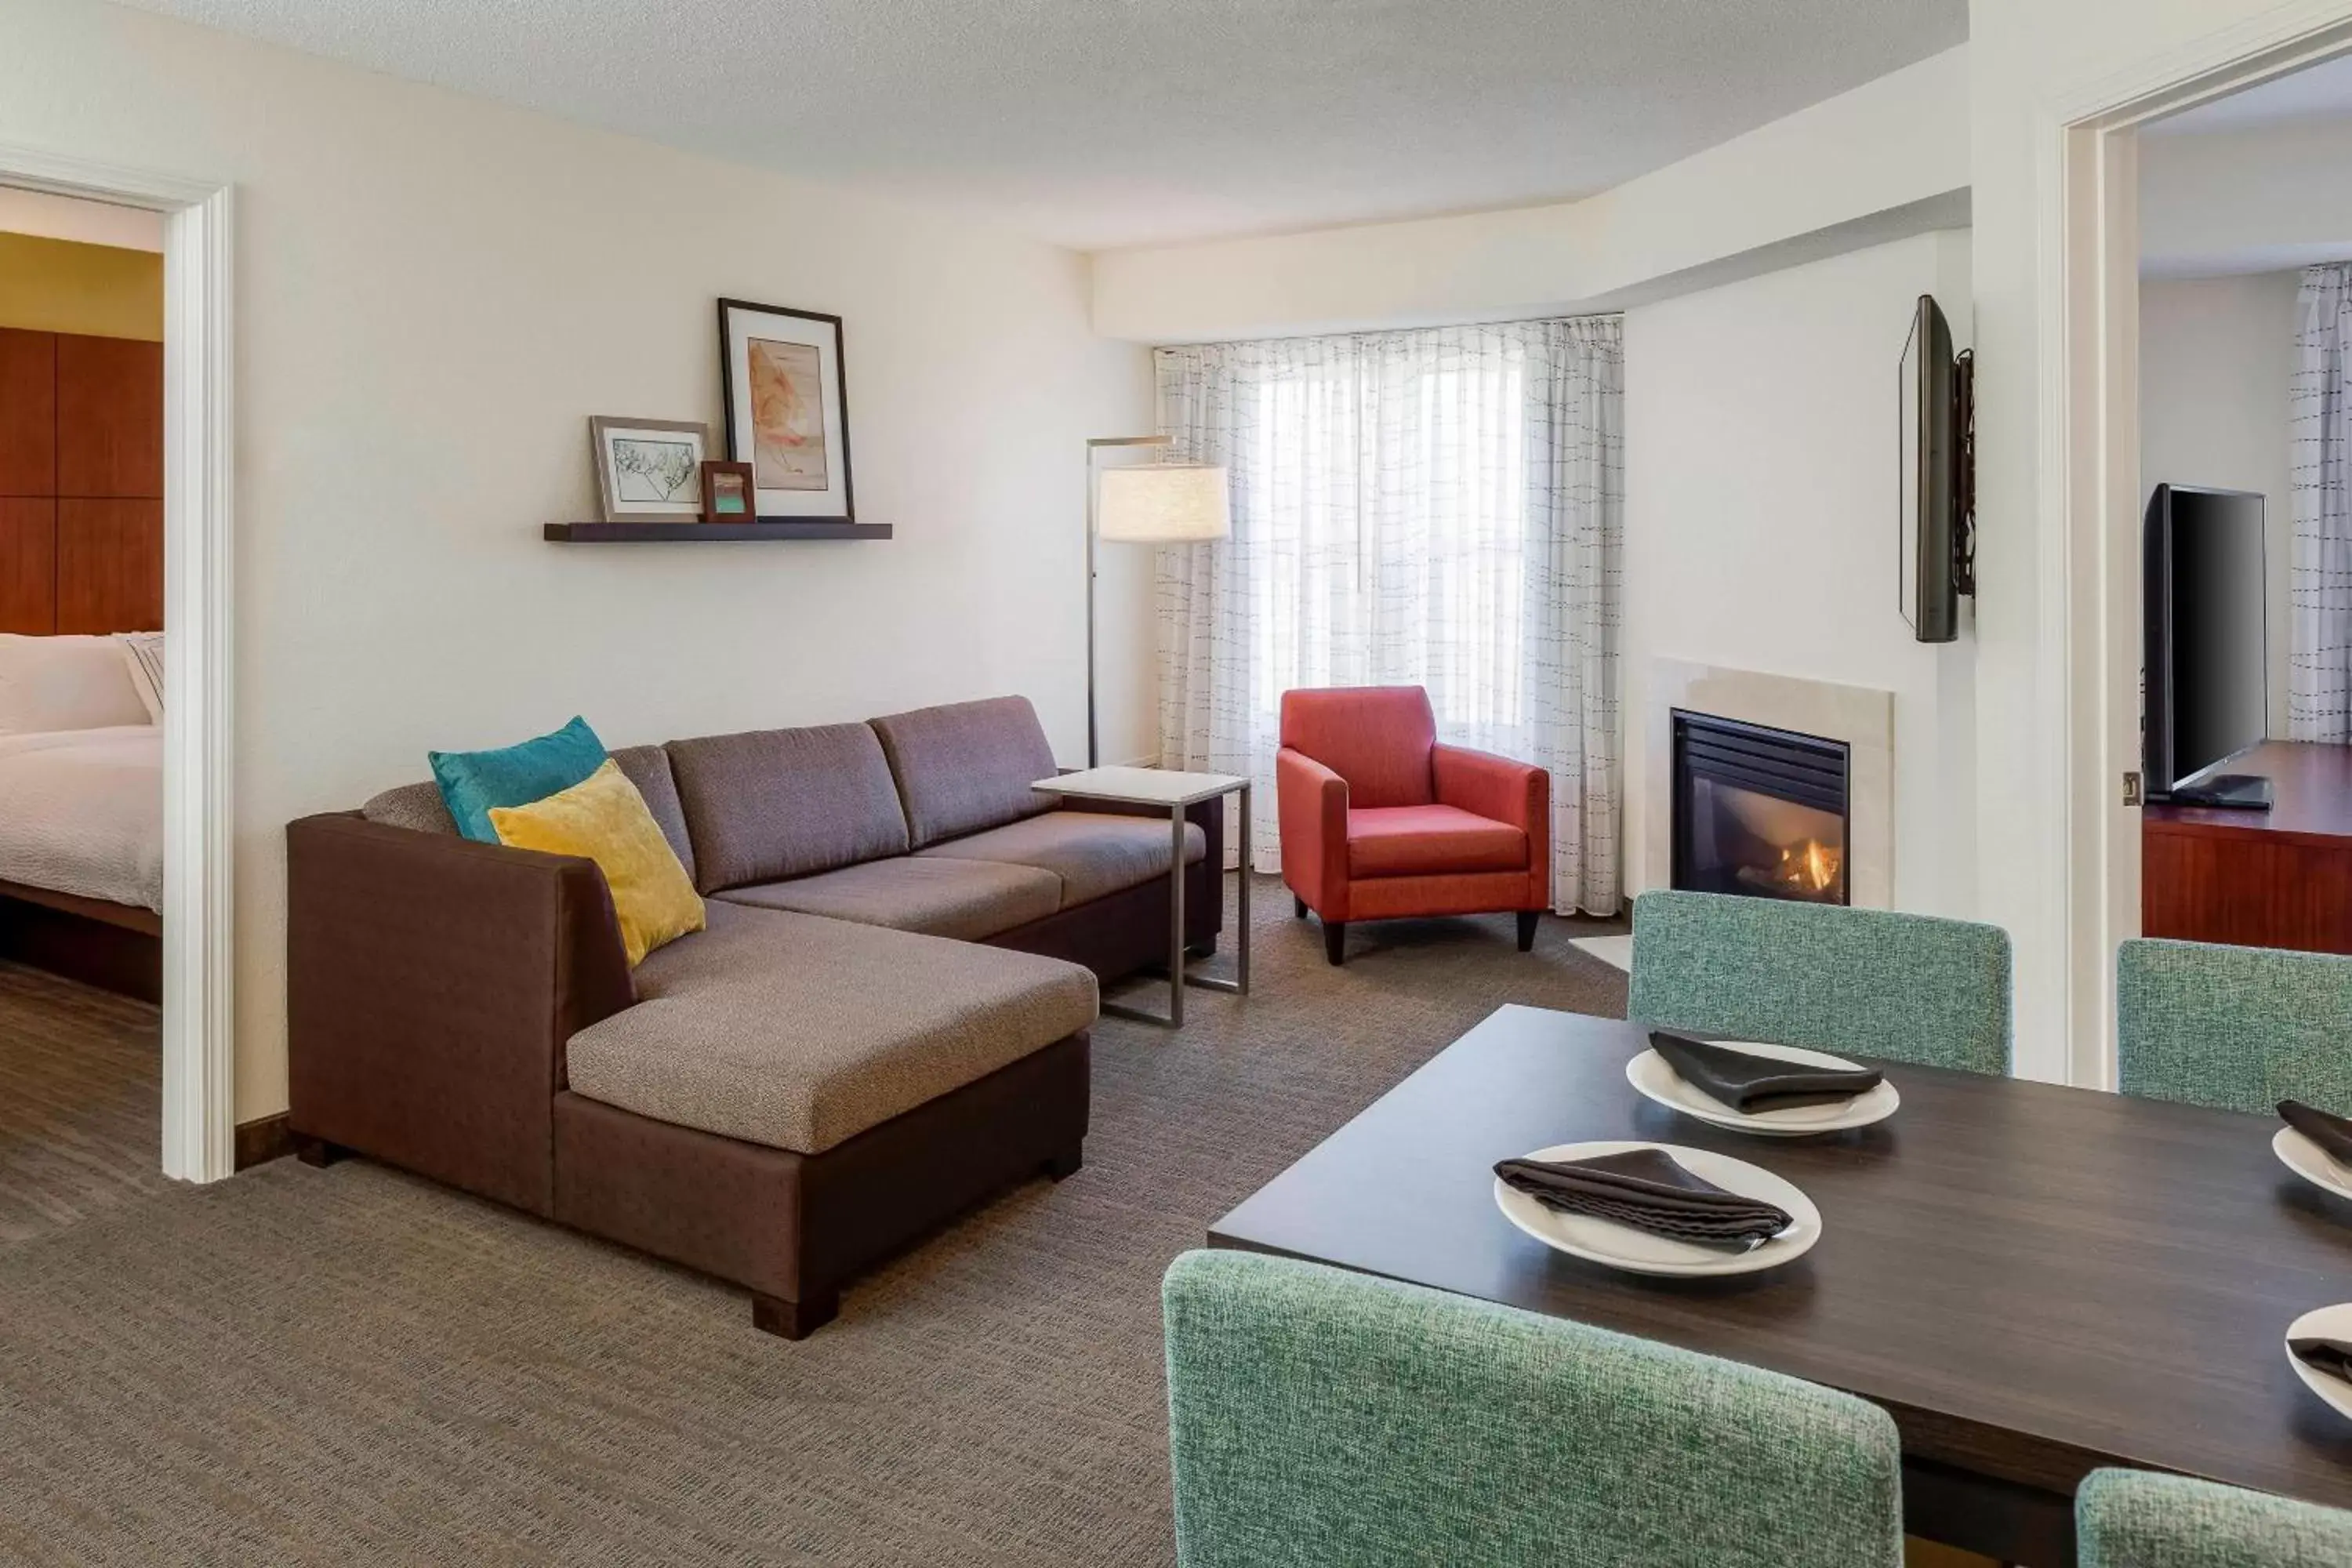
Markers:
point(1163, 503)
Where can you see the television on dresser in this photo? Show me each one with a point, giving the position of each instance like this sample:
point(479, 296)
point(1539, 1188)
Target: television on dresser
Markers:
point(1935, 522)
point(2207, 676)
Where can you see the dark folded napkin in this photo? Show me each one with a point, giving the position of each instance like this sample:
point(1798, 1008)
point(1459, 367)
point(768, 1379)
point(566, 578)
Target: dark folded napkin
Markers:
point(2331, 1356)
point(1648, 1190)
point(1749, 1083)
point(2332, 1133)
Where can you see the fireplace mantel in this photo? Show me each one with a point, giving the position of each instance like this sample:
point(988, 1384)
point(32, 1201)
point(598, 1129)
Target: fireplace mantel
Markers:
point(1860, 716)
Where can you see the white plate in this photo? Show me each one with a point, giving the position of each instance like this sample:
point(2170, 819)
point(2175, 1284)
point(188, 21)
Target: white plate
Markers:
point(1639, 1252)
point(1651, 1074)
point(2326, 1322)
point(2312, 1163)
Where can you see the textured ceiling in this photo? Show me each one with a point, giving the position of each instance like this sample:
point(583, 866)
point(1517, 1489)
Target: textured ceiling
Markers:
point(2322, 91)
point(1104, 122)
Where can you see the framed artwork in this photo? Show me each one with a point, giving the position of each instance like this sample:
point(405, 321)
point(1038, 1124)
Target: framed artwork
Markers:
point(726, 493)
point(648, 470)
point(787, 409)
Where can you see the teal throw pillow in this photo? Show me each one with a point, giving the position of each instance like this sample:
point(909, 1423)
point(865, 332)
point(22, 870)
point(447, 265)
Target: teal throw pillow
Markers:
point(473, 781)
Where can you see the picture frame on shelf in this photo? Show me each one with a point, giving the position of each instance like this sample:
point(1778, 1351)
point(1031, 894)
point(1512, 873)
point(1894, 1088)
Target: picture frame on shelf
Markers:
point(728, 493)
point(648, 470)
point(787, 405)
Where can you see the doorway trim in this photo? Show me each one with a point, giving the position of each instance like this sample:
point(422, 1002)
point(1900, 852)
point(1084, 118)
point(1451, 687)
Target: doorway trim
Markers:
point(199, 1128)
point(2087, 304)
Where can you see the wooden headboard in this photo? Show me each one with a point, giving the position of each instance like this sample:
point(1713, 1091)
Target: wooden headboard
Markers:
point(81, 483)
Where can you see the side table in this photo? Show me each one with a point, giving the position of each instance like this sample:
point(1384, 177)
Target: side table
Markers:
point(1174, 791)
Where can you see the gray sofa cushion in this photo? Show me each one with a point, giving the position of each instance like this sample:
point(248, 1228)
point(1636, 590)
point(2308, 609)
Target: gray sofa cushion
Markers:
point(417, 807)
point(420, 809)
point(970, 901)
point(967, 766)
point(786, 803)
point(648, 768)
point(799, 1032)
point(1093, 853)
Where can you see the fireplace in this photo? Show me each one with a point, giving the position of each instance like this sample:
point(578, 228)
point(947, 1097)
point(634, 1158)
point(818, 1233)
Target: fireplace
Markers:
point(1759, 811)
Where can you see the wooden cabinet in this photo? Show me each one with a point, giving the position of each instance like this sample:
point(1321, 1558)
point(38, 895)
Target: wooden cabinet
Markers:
point(2281, 877)
point(81, 483)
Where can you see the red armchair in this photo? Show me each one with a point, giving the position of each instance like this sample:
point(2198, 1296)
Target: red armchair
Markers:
point(1380, 822)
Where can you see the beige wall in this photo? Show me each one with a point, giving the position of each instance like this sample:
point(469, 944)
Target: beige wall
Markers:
point(1760, 506)
point(434, 294)
point(100, 290)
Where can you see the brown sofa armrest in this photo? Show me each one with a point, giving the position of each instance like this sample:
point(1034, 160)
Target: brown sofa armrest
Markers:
point(431, 986)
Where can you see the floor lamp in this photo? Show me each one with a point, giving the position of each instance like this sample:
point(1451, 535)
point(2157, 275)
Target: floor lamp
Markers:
point(1149, 503)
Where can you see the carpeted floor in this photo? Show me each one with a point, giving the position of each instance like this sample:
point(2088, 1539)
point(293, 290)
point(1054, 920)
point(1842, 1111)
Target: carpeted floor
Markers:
point(80, 1102)
point(353, 1366)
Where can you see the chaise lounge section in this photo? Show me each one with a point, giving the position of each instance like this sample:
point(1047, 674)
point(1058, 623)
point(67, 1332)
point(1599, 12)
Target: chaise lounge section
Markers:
point(885, 1023)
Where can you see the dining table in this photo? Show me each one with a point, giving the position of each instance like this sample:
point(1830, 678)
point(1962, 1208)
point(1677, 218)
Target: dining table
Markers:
point(2033, 1281)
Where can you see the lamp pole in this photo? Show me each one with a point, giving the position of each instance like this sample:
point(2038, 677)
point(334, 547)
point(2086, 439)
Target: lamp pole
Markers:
point(1095, 444)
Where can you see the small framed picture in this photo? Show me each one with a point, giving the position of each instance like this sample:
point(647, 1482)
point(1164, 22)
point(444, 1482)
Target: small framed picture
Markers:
point(726, 493)
point(787, 409)
point(648, 470)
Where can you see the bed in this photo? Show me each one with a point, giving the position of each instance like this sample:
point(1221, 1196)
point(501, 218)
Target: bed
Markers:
point(82, 813)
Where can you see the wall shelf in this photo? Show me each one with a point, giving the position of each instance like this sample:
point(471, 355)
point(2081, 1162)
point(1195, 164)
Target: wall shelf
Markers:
point(709, 532)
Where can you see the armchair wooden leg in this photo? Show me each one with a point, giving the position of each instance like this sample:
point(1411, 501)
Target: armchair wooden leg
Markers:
point(1527, 919)
point(1297, 906)
point(1334, 941)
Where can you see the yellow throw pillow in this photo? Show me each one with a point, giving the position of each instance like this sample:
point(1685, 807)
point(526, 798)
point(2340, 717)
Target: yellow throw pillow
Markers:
point(604, 818)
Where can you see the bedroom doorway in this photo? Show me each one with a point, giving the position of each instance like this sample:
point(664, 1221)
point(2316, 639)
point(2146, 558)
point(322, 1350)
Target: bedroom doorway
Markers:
point(2091, 628)
point(114, 556)
point(81, 766)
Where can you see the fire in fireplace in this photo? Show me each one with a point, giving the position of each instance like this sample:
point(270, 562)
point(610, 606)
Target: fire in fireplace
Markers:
point(1758, 811)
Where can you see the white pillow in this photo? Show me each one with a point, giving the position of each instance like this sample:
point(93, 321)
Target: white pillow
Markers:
point(144, 651)
point(65, 683)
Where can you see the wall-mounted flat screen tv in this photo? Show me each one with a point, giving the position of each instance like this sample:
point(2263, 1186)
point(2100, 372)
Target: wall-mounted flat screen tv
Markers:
point(1936, 549)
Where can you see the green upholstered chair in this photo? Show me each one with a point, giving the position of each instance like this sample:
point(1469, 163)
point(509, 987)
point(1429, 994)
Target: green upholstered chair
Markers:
point(2237, 1028)
point(1910, 988)
point(1323, 1419)
point(2130, 1519)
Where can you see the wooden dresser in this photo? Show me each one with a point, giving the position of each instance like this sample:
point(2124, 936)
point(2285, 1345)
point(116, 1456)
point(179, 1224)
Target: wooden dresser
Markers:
point(2281, 877)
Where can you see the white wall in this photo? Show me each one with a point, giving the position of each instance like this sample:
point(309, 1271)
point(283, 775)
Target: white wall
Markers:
point(2262, 199)
point(2215, 358)
point(1761, 500)
point(435, 293)
point(2027, 57)
point(1887, 159)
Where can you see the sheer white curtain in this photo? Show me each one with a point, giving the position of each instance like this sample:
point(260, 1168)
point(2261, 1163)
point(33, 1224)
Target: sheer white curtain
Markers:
point(2319, 675)
point(1439, 508)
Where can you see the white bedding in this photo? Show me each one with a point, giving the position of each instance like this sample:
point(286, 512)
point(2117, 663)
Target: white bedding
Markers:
point(81, 811)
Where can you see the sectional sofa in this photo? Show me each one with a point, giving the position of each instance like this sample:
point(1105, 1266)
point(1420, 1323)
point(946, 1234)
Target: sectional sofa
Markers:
point(885, 1024)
